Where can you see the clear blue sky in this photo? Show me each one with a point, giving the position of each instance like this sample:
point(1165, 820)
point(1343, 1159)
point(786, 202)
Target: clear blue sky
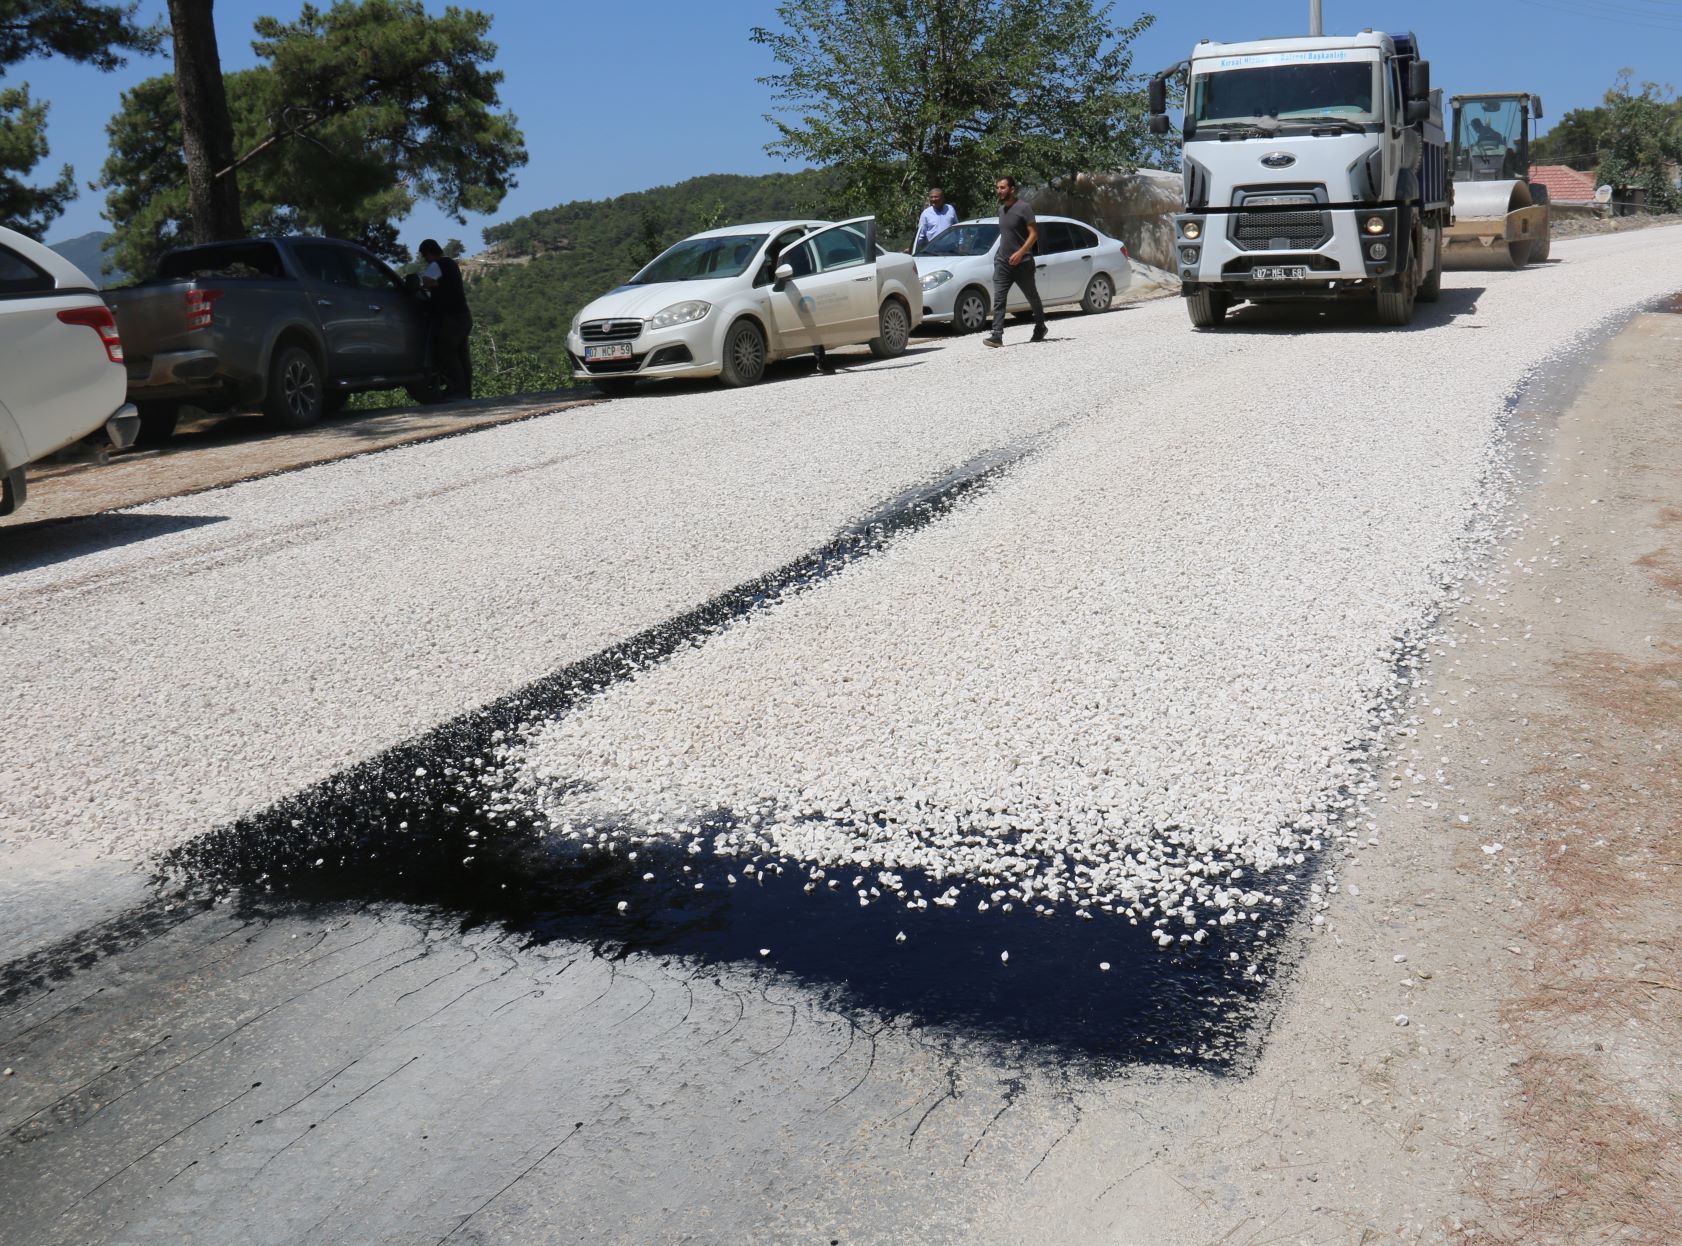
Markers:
point(615, 98)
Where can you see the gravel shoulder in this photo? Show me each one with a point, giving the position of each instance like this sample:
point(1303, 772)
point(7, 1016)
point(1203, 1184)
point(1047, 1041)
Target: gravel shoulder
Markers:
point(1481, 1043)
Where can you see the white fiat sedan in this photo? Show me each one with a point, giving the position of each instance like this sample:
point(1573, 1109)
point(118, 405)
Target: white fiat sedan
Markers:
point(62, 378)
point(727, 302)
point(1074, 264)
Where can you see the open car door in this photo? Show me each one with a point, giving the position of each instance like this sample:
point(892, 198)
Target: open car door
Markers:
point(830, 297)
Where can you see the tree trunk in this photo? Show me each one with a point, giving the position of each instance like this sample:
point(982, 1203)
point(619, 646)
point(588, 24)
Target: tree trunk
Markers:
point(207, 132)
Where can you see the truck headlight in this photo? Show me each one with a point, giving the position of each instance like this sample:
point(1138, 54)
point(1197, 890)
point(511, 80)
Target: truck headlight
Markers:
point(680, 313)
point(937, 278)
point(1192, 230)
point(1374, 225)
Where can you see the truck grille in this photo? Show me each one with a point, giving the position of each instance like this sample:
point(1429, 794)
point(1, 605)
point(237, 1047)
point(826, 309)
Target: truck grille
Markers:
point(1280, 231)
point(609, 330)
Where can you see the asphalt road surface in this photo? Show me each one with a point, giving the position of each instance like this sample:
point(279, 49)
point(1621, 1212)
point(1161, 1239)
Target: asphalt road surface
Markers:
point(860, 807)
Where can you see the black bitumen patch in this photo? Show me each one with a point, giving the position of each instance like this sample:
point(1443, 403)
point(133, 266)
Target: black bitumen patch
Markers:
point(416, 825)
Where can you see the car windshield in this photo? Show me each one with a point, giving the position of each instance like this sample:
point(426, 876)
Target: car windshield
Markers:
point(1252, 95)
point(973, 239)
point(701, 259)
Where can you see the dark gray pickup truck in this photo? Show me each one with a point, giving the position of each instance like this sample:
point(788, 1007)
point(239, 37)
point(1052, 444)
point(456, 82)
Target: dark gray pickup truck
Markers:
point(285, 326)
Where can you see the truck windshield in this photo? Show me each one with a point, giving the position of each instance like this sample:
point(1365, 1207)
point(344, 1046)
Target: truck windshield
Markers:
point(1344, 90)
point(702, 259)
point(970, 239)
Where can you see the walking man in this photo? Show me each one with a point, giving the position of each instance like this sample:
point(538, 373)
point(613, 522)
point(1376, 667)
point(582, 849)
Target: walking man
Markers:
point(452, 322)
point(938, 216)
point(1013, 262)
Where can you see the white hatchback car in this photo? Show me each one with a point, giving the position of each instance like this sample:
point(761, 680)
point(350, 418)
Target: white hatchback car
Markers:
point(1074, 263)
point(727, 302)
point(62, 378)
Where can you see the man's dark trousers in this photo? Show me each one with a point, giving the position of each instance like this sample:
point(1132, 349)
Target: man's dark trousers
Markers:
point(449, 340)
point(1022, 275)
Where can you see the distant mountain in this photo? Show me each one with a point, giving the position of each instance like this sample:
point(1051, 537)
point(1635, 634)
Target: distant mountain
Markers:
point(87, 254)
point(538, 270)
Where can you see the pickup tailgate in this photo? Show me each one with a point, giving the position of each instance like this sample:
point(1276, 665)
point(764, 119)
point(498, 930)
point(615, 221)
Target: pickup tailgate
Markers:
point(154, 319)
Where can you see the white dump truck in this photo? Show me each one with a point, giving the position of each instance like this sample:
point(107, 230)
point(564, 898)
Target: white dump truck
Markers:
point(1314, 170)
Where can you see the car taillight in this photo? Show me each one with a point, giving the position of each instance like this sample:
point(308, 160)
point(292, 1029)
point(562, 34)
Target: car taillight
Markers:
point(102, 322)
point(1125, 251)
point(201, 308)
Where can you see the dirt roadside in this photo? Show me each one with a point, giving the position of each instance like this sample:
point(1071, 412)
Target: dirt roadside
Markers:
point(209, 451)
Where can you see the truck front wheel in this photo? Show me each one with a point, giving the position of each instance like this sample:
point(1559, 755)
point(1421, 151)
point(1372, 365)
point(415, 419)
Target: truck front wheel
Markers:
point(1396, 294)
point(1206, 307)
point(297, 392)
point(1431, 289)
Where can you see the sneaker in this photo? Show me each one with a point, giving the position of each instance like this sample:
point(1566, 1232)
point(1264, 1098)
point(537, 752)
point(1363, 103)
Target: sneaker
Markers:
point(1040, 334)
point(990, 340)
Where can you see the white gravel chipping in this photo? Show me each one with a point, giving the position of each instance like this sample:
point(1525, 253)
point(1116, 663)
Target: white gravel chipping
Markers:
point(1141, 672)
point(1170, 627)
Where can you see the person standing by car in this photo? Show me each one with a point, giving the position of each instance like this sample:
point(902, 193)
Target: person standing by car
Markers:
point(938, 217)
point(452, 320)
point(1013, 262)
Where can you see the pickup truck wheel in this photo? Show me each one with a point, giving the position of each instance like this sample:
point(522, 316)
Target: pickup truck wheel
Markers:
point(895, 324)
point(973, 311)
point(1099, 294)
point(1206, 307)
point(744, 355)
point(296, 393)
point(157, 422)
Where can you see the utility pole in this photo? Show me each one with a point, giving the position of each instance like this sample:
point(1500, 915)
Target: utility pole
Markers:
point(1315, 26)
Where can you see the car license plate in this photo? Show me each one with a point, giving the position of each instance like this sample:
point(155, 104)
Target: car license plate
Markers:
point(614, 350)
point(1292, 272)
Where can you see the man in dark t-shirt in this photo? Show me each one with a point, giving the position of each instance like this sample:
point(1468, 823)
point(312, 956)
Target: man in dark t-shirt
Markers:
point(1013, 262)
point(452, 321)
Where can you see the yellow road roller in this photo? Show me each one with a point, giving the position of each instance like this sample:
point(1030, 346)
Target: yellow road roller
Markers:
point(1500, 220)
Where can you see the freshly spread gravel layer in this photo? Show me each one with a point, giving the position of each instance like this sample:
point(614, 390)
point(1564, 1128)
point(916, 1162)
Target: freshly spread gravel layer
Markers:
point(1195, 583)
point(1140, 673)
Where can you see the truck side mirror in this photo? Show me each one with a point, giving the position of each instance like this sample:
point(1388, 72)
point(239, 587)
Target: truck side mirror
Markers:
point(1417, 111)
point(1156, 95)
point(1536, 107)
point(1419, 80)
point(1159, 123)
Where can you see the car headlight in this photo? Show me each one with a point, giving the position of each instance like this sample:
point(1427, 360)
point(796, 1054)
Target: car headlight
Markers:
point(680, 313)
point(937, 278)
point(577, 320)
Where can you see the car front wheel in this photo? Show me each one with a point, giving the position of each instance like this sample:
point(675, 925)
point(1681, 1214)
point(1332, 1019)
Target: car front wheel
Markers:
point(972, 312)
point(895, 323)
point(744, 355)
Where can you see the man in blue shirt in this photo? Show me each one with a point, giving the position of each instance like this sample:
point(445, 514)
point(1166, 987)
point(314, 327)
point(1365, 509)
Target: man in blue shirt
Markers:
point(939, 215)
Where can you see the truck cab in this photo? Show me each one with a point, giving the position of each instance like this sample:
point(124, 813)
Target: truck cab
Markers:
point(1314, 169)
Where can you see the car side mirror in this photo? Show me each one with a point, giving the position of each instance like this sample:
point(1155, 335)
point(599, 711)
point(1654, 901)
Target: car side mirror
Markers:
point(785, 272)
point(411, 283)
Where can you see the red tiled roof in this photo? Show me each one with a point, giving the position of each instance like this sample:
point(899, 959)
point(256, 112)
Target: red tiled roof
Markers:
point(1564, 184)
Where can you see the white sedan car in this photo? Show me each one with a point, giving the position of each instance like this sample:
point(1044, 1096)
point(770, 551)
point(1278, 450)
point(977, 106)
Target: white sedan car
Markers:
point(62, 378)
point(727, 302)
point(1074, 264)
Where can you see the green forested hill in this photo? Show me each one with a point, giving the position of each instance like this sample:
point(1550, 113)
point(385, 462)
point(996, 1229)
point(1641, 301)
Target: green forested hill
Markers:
point(540, 269)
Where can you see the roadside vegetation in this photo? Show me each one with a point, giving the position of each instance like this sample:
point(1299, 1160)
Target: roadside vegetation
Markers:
point(1632, 140)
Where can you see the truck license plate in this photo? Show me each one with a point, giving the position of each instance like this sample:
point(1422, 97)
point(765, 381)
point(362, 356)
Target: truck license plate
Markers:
point(1292, 272)
point(614, 350)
